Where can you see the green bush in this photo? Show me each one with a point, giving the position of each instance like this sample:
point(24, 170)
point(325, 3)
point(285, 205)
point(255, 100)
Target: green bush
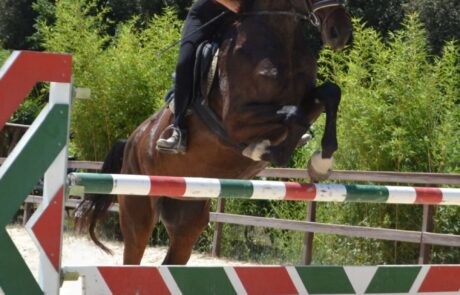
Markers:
point(399, 112)
point(128, 75)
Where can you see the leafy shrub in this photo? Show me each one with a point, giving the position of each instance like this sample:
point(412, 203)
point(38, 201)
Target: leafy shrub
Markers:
point(128, 75)
point(399, 112)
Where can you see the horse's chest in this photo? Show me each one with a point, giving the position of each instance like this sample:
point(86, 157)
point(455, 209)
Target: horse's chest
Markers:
point(275, 78)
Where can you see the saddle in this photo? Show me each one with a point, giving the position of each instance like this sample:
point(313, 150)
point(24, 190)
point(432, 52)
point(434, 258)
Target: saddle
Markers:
point(204, 72)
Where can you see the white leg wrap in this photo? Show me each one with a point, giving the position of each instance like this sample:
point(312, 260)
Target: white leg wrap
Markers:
point(255, 150)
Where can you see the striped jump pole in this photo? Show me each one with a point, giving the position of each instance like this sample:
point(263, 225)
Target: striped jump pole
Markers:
point(189, 187)
point(252, 280)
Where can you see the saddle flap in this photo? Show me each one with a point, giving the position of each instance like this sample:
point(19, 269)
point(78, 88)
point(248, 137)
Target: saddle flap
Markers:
point(205, 69)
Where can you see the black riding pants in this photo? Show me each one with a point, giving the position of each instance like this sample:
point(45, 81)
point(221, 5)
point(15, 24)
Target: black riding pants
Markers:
point(200, 13)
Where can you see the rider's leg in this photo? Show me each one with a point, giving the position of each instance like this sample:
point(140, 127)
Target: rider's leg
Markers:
point(177, 140)
point(192, 36)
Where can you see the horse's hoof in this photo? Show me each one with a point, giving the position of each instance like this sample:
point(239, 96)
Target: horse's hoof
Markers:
point(319, 168)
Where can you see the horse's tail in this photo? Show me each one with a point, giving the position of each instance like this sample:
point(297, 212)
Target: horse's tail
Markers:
point(95, 207)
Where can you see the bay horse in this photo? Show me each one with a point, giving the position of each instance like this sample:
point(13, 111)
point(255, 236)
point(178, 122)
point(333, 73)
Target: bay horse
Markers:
point(266, 98)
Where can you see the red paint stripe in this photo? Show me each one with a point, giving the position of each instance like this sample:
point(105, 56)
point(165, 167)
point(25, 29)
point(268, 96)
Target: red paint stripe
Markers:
point(48, 229)
point(28, 69)
point(134, 280)
point(167, 186)
point(300, 191)
point(266, 280)
point(428, 195)
point(442, 279)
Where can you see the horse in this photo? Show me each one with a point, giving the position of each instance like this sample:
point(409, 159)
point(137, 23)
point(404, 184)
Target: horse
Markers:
point(265, 98)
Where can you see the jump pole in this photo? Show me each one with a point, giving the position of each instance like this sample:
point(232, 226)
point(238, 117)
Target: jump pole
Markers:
point(189, 188)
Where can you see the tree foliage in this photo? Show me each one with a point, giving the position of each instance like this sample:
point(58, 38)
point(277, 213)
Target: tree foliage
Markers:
point(441, 18)
point(16, 23)
point(384, 16)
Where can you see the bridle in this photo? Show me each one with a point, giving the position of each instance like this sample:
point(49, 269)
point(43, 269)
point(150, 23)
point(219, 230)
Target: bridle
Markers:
point(314, 6)
point(311, 8)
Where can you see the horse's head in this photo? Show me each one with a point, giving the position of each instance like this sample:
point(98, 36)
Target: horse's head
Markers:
point(329, 16)
point(332, 20)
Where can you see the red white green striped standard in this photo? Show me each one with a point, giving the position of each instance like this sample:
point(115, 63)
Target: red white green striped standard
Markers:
point(190, 187)
point(408, 279)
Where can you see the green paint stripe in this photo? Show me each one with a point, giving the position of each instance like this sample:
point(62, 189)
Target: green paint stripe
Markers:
point(32, 162)
point(325, 280)
point(15, 276)
point(29, 166)
point(202, 280)
point(367, 193)
point(95, 183)
point(234, 188)
point(391, 279)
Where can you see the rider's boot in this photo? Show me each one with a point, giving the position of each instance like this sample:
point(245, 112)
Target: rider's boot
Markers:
point(176, 143)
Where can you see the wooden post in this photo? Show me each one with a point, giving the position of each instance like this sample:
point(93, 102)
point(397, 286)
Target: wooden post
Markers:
point(217, 239)
point(308, 237)
point(427, 226)
point(28, 210)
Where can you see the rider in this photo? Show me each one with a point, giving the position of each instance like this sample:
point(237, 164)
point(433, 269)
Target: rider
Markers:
point(193, 34)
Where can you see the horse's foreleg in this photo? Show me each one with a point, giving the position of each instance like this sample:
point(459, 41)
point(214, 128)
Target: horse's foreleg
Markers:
point(256, 122)
point(259, 126)
point(329, 95)
point(297, 124)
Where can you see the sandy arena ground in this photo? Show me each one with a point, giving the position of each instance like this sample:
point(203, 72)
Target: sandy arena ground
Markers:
point(81, 251)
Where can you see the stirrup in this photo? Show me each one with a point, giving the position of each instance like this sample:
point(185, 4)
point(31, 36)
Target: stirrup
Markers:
point(179, 146)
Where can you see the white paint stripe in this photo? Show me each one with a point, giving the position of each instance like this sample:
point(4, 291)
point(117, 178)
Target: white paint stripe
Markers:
point(8, 63)
point(169, 280)
point(271, 190)
point(92, 280)
point(419, 279)
point(60, 93)
point(360, 277)
point(450, 196)
point(296, 280)
point(201, 187)
point(330, 193)
point(401, 195)
point(130, 184)
point(235, 280)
